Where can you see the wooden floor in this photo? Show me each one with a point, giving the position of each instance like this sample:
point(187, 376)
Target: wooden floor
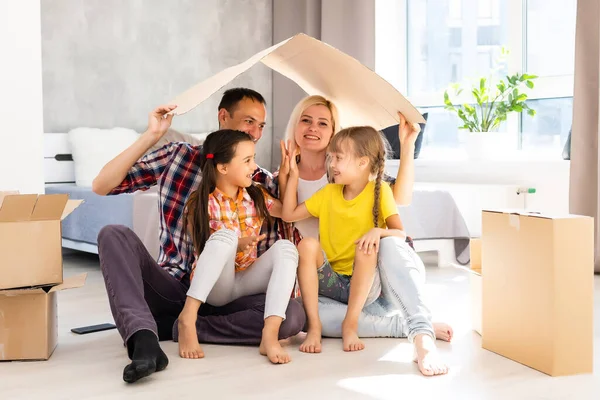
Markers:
point(90, 366)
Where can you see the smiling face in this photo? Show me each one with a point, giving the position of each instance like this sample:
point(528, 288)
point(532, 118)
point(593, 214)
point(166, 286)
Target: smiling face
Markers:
point(346, 167)
point(240, 169)
point(248, 116)
point(314, 129)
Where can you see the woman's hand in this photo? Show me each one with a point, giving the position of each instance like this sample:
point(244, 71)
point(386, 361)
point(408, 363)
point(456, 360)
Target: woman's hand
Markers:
point(369, 243)
point(248, 242)
point(407, 132)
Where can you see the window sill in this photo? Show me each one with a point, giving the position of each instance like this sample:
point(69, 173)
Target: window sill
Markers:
point(453, 165)
point(458, 157)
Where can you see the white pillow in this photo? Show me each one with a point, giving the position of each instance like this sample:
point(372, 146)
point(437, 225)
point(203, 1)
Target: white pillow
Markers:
point(92, 148)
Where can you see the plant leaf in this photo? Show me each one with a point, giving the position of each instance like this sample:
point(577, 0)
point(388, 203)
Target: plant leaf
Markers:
point(531, 112)
point(529, 84)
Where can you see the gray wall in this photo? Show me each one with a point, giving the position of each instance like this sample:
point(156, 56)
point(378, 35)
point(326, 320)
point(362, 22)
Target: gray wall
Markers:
point(107, 63)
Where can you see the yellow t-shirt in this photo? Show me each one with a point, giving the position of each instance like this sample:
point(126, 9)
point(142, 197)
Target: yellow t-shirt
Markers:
point(342, 222)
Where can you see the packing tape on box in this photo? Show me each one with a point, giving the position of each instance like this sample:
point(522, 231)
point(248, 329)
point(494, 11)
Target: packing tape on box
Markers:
point(514, 221)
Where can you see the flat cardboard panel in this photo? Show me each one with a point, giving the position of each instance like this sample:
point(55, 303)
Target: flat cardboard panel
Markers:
point(5, 193)
point(574, 296)
point(524, 303)
point(70, 207)
point(22, 291)
point(17, 207)
point(49, 207)
point(52, 325)
point(30, 254)
point(475, 282)
point(362, 96)
point(70, 283)
point(23, 327)
point(475, 260)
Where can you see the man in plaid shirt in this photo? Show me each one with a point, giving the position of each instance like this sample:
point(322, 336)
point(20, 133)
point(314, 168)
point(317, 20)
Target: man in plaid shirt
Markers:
point(145, 295)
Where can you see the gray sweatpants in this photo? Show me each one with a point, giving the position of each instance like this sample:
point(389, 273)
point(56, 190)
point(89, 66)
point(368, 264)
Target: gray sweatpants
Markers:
point(217, 283)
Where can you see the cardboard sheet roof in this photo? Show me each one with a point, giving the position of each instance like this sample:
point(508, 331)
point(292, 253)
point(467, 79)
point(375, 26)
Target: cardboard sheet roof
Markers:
point(362, 96)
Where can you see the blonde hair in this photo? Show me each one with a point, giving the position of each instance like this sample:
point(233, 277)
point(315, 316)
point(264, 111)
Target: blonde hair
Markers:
point(365, 141)
point(302, 106)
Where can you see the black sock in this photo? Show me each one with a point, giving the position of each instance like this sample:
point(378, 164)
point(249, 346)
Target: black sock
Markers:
point(146, 356)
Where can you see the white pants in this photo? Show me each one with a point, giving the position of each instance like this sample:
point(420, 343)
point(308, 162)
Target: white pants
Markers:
point(217, 283)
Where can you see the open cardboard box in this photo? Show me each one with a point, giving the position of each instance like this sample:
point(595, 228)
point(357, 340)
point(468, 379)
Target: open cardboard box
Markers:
point(30, 238)
point(538, 289)
point(29, 321)
point(361, 96)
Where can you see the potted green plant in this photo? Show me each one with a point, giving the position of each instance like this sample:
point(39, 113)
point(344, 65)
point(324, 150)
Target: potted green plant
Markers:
point(493, 101)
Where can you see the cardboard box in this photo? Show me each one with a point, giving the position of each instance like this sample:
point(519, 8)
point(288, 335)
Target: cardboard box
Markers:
point(30, 238)
point(475, 282)
point(361, 96)
point(28, 321)
point(538, 290)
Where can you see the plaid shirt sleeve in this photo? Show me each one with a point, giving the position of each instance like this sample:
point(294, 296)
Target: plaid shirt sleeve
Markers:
point(271, 230)
point(147, 170)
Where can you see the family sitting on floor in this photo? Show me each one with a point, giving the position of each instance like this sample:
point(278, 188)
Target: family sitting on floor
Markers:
point(235, 240)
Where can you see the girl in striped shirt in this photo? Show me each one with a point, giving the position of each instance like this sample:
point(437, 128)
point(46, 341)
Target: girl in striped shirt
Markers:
point(224, 217)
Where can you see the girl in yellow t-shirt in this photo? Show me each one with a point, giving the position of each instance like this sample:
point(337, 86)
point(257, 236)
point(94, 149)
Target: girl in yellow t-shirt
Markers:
point(354, 213)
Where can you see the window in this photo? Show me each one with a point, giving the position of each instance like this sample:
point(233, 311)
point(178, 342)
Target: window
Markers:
point(440, 42)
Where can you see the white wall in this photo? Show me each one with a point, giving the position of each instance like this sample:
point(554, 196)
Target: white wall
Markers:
point(21, 110)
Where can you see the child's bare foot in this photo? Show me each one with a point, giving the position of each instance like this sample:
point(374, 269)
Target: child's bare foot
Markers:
point(427, 356)
point(271, 348)
point(350, 337)
point(312, 343)
point(189, 347)
point(443, 331)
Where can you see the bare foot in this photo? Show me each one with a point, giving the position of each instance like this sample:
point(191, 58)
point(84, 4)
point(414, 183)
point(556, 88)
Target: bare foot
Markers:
point(271, 348)
point(443, 331)
point(312, 343)
point(188, 338)
point(350, 338)
point(427, 356)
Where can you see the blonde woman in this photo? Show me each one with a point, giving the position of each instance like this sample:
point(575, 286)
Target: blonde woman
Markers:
point(311, 127)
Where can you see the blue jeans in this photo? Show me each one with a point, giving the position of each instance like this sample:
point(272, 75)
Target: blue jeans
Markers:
point(400, 311)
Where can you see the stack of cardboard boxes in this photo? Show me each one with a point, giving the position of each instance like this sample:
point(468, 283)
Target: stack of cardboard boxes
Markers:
point(31, 272)
point(532, 287)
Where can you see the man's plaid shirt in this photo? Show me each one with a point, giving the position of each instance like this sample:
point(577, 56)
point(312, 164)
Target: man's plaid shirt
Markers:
point(175, 168)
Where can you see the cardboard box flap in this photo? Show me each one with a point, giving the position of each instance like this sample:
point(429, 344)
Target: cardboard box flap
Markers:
point(3, 194)
point(361, 96)
point(70, 283)
point(70, 207)
point(49, 207)
point(17, 207)
point(22, 291)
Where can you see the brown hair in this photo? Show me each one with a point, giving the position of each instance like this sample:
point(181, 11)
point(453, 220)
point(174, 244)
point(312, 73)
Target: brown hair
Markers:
point(221, 145)
point(365, 141)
